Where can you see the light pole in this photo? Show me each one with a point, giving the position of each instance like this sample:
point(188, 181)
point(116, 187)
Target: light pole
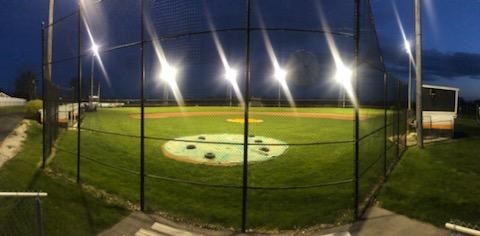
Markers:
point(409, 54)
point(165, 94)
point(168, 74)
point(279, 96)
point(231, 77)
point(92, 69)
point(94, 50)
point(229, 96)
point(418, 72)
point(280, 75)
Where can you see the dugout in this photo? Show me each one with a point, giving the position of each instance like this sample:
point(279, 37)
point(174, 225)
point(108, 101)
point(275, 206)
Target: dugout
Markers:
point(440, 106)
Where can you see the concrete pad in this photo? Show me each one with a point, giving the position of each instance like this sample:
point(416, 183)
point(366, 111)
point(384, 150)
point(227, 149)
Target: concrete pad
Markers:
point(378, 221)
point(130, 225)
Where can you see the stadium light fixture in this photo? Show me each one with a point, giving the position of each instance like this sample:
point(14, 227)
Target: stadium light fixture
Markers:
point(95, 49)
point(231, 74)
point(344, 76)
point(168, 73)
point(407, 46)
point(231, 77)
point(280, 74)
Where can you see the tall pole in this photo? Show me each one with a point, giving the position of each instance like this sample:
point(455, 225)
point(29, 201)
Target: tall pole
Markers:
point(279, 96)
point(357, 111)
point(44, 154)
point(165, 95)
point(92, 69)
point(418, 74)
point(142, 110)
point(245, 119)
point(79, 87)
point(230, 95)
point(48, 68)
point(409, 83)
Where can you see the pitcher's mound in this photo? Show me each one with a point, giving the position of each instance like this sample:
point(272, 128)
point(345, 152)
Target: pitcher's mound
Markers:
point(222, 149)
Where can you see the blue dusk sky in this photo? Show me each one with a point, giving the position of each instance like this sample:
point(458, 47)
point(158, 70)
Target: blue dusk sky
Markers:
point(451, 30)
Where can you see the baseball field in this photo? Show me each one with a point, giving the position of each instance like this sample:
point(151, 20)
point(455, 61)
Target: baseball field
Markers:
point(301, 171)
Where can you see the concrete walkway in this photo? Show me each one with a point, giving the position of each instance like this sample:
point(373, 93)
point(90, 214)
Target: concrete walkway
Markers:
point(377, 221)
point(8, 123)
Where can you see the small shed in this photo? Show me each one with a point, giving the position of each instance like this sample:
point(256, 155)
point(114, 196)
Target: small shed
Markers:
point(440, 106)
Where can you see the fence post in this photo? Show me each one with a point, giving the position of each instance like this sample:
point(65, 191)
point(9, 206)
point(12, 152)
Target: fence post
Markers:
point(398, 118)
point(357, 115)
point(385, 97)
point(142, 111)
point(38, 216)
point(245, 126)
point(44, 149)
point(79, 87)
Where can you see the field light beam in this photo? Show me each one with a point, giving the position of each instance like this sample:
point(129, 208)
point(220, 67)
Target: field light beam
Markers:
point(231, 76)
point(402, 31)
point(95, 48)
point(343, 74)
point(279, 74)
point(230, 73)
point(168, 73)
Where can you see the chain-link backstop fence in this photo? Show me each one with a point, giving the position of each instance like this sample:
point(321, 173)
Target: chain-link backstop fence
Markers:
point(245, 114)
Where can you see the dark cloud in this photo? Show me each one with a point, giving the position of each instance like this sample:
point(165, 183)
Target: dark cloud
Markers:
point(437, 64)
point(451, 65)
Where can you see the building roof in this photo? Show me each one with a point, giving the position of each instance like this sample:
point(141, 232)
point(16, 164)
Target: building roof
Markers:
point(440, 87)
point(2, 94)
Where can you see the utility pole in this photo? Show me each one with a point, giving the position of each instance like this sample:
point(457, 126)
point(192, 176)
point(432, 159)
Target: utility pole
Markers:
point(418, 71)
point(48, 71)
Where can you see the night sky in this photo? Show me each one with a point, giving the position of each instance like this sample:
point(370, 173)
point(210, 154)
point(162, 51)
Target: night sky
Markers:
point(451, 39)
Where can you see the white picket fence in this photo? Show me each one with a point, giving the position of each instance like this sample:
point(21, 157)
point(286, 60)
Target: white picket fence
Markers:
point(7, 101)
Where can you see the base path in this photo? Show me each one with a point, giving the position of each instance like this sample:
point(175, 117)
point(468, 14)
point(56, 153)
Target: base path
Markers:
point(316, 115)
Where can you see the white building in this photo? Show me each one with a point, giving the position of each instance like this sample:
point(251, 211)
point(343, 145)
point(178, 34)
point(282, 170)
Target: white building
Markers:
point(440, 107)
point(7, 101)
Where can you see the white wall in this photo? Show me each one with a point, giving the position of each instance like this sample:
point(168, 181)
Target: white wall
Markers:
point(10, 101)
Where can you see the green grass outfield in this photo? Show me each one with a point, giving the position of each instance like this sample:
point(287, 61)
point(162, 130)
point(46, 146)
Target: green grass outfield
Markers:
point(68, 209)
point(267, 208)
point(441, 182)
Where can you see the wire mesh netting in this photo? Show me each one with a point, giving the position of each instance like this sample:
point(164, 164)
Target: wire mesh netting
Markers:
point(21, 216)
point(244, 114)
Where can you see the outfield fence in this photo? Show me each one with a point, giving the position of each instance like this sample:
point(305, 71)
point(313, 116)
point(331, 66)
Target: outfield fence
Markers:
point(144, 73)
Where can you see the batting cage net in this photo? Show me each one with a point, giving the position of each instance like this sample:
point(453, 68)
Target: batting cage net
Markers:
point(247, 114)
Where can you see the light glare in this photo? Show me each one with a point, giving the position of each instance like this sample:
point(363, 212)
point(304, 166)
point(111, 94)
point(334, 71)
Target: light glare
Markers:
point(95, 48)
point(168, 73)
point(407, 46)
point(343, 76)
point(280, 74)
point(231, 74)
